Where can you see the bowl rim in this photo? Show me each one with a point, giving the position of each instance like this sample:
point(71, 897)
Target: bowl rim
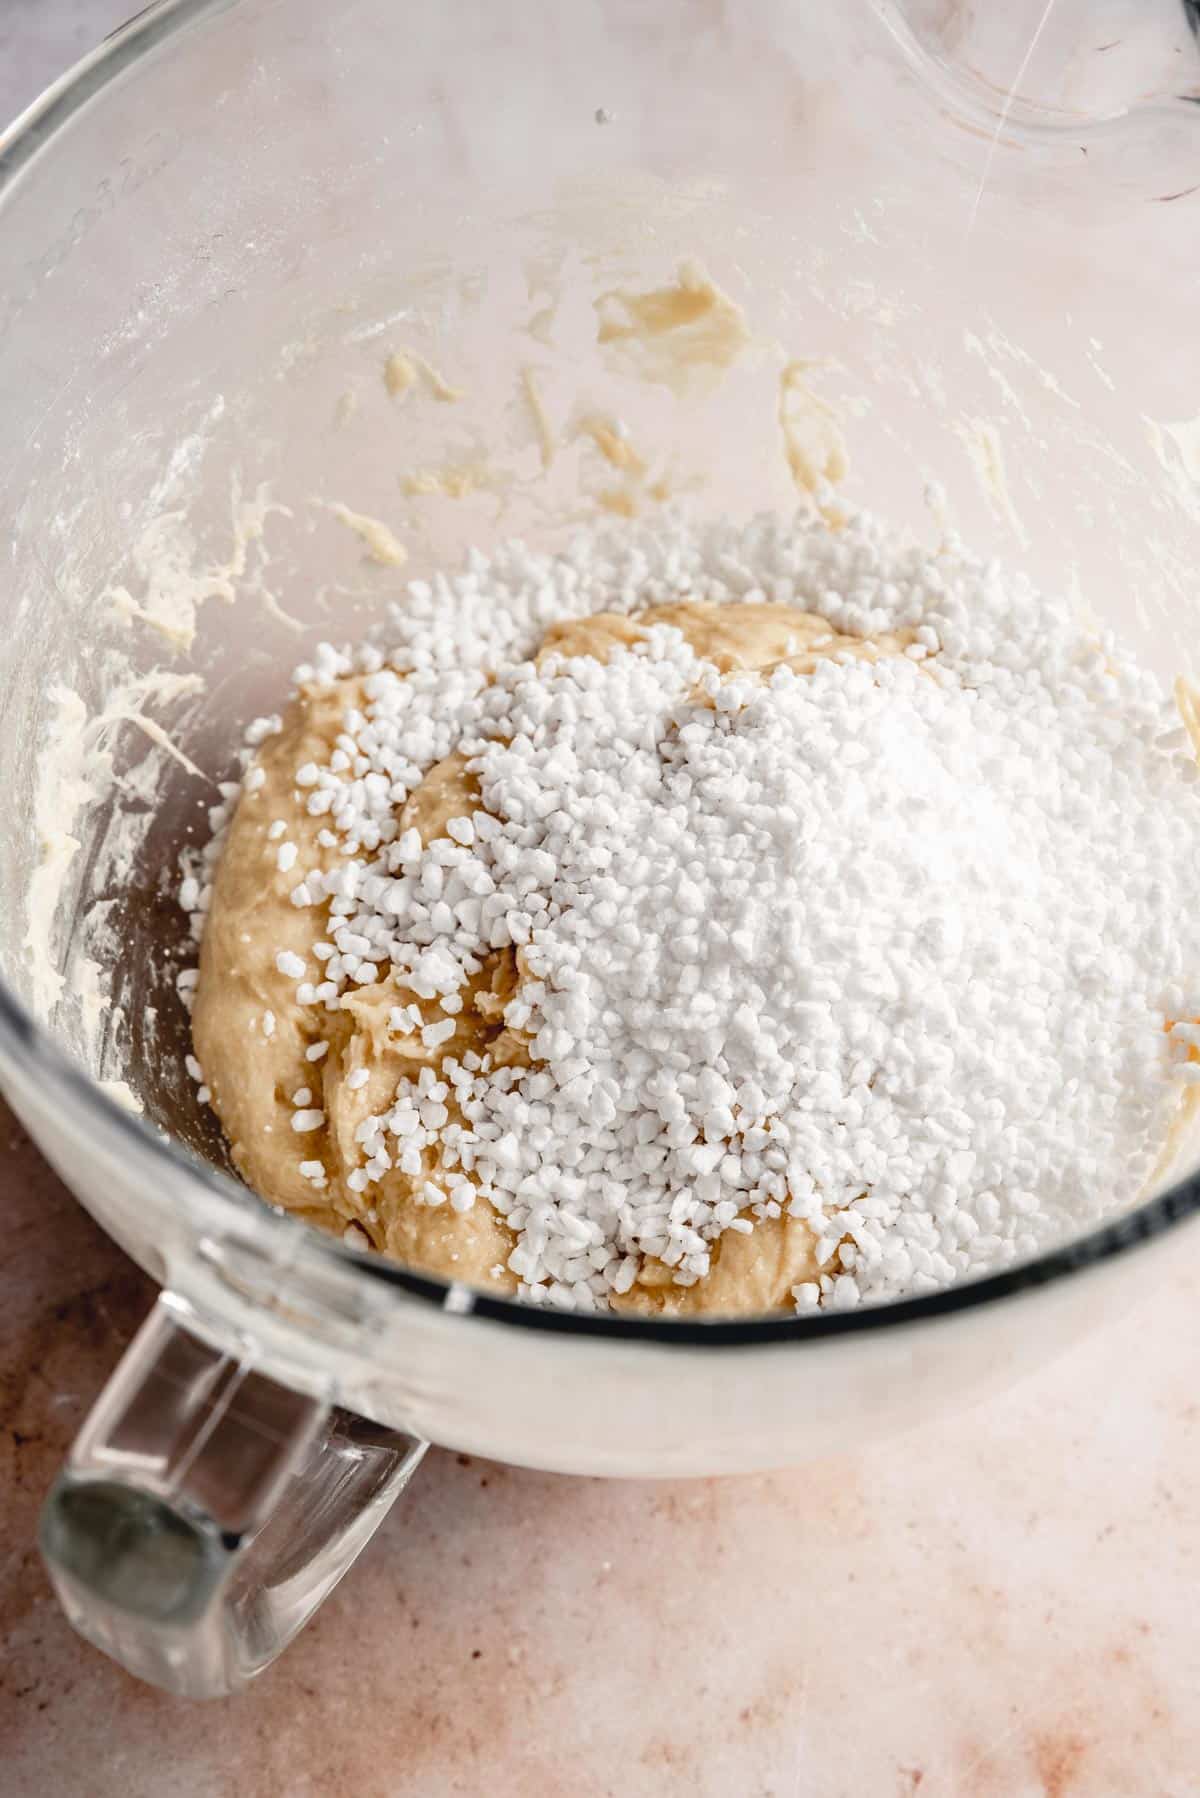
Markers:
point(28, 1048)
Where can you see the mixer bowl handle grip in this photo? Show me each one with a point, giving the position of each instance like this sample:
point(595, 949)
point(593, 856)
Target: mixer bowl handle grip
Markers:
point(205, 1510)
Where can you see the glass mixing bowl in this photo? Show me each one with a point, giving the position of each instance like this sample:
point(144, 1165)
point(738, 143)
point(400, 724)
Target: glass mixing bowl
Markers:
point(213, 235)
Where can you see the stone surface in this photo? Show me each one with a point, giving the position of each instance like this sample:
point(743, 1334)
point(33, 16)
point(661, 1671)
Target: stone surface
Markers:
point(1004, 1607)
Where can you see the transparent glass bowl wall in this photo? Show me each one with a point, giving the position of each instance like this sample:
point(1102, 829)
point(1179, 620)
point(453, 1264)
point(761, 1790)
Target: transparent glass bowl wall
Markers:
point(210, 243)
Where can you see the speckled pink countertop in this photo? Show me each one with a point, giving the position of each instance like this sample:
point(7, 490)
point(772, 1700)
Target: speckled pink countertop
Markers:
point(1005, 1608)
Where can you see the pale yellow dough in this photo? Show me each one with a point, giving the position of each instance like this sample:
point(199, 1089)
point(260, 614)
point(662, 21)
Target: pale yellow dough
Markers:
point(251, 1033)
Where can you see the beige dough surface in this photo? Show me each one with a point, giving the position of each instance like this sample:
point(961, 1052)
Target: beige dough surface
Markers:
point(251, 1032)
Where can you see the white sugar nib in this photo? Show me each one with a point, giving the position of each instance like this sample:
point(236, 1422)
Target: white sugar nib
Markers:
point(893, 946)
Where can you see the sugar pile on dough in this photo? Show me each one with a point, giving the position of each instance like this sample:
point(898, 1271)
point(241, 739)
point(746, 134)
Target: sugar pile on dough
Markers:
point(894, 944)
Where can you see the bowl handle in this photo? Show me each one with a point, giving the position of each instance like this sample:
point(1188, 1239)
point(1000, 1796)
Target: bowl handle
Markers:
point(205, 1511)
